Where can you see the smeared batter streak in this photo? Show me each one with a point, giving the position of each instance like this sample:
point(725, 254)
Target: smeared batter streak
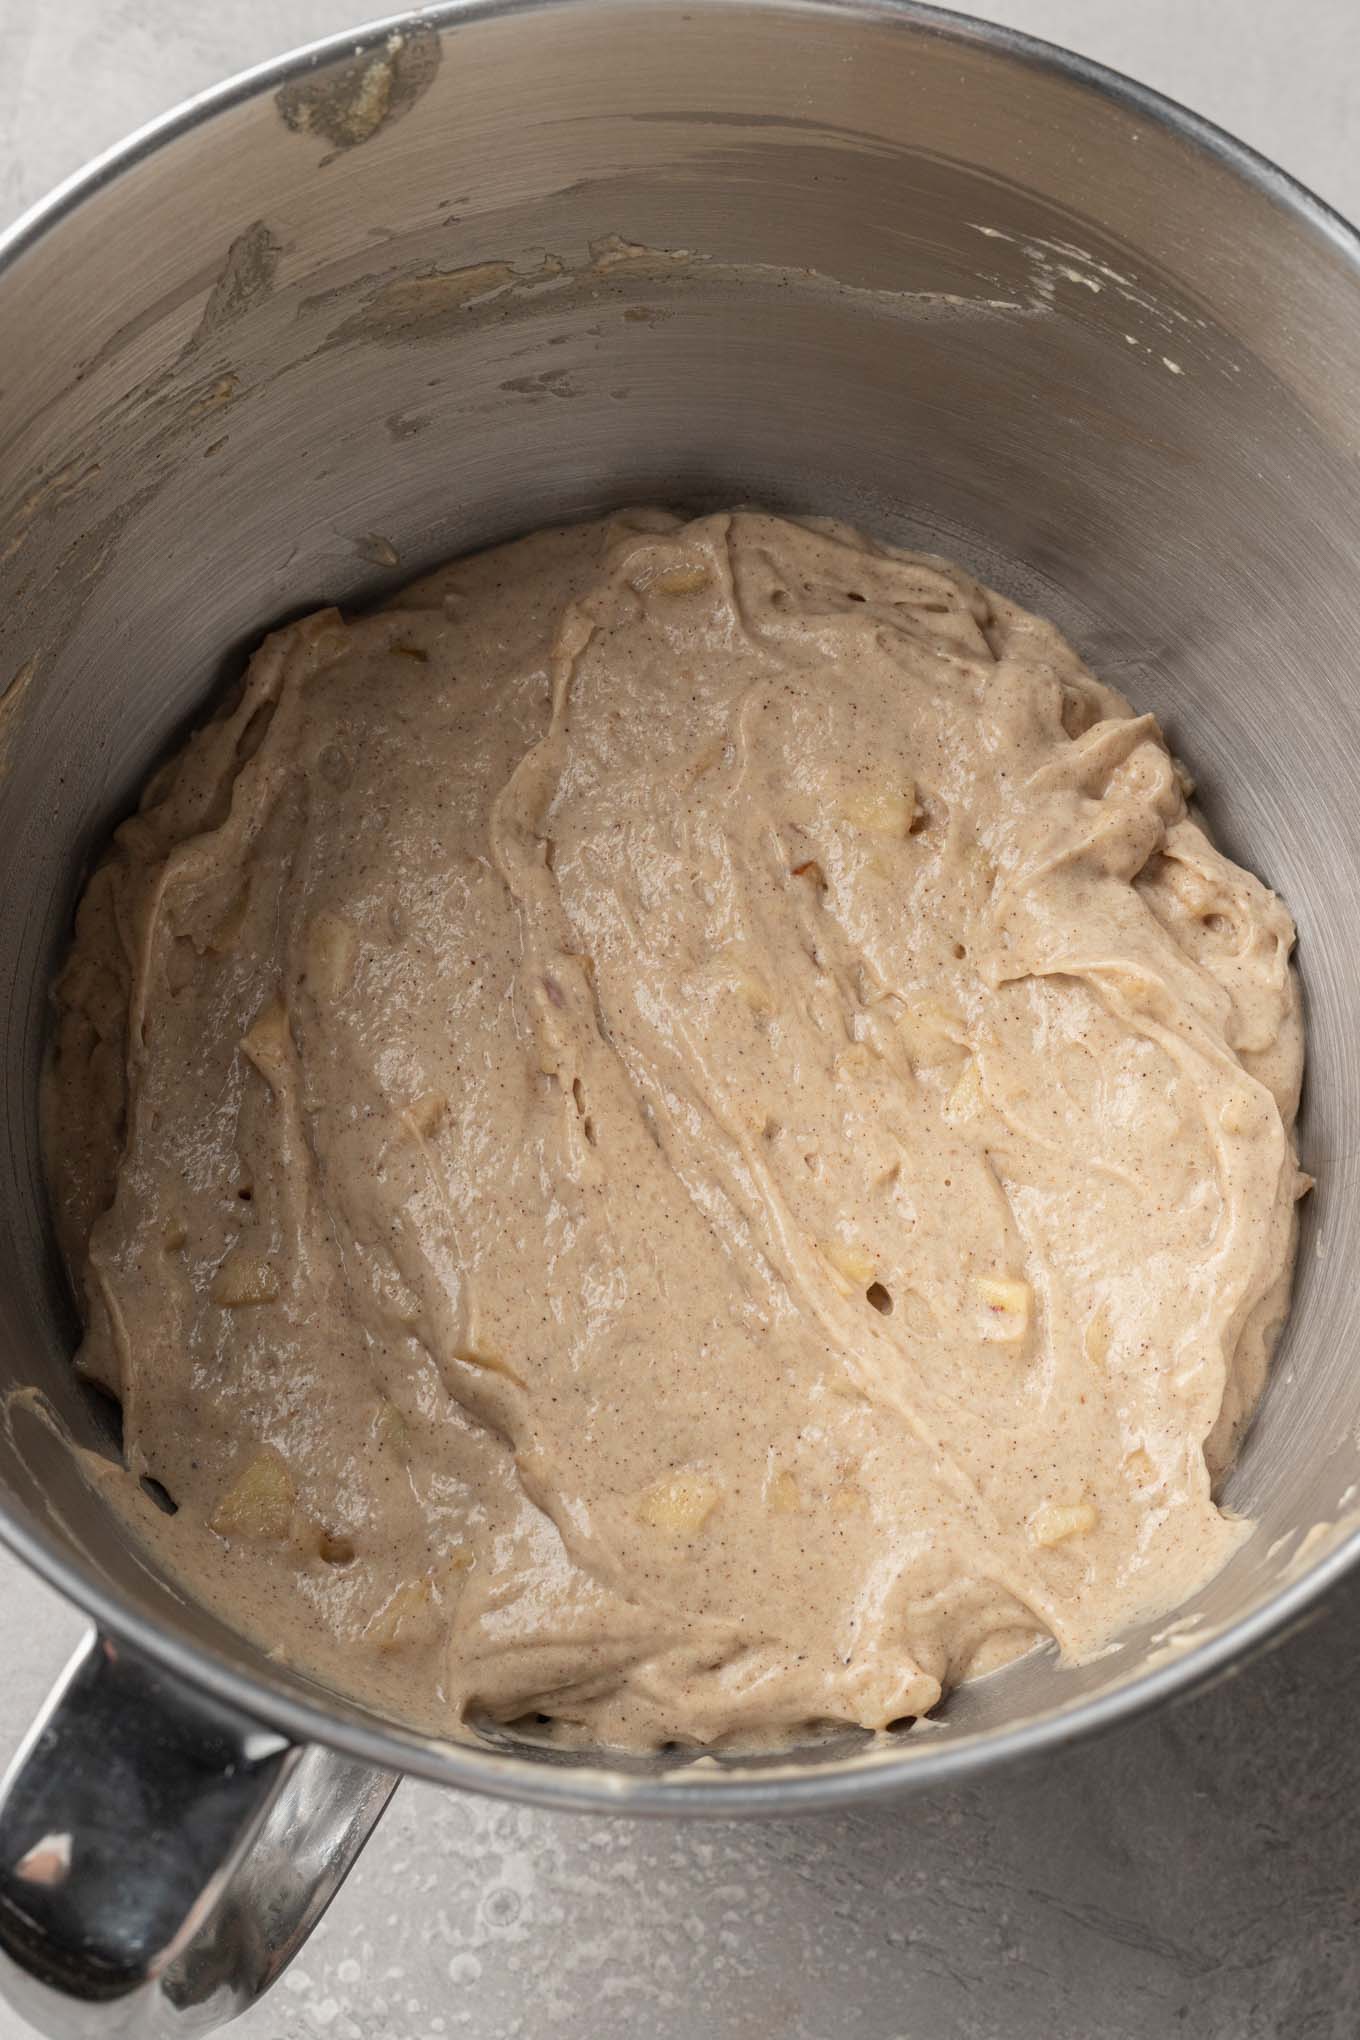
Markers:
point(679, 1131)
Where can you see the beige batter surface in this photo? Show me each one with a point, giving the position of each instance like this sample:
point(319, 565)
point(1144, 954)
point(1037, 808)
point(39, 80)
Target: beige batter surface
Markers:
point(680, 1132)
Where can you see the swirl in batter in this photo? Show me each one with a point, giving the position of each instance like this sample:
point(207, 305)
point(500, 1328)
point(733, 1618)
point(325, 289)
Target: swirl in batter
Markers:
point(680, 1131)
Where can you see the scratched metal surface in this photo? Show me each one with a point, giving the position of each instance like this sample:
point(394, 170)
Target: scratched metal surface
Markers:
point(1198, 1873)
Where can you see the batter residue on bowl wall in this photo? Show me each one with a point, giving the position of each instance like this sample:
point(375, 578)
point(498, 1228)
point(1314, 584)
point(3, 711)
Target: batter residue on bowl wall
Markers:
point(679, 1131)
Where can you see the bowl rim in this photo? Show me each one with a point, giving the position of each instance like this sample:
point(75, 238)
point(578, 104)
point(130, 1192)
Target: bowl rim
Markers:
point(702, 1790)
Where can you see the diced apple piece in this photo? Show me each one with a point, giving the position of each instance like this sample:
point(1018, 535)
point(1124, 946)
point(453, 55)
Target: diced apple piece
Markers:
point(403, 1618)
point(390, 1429)
point(227, 933)
point(268, 1042)
point(424, 1113)
point(410, 1614)
point(679, 581)
point(244, 1279)
point(855, 1263)
point(887, 811)
point(847, 1500)
point(259, 1503)
point(1057, 1521)
point(332, 948)
point(679, 1504)
point(1006, 1304)
point(785, 1499)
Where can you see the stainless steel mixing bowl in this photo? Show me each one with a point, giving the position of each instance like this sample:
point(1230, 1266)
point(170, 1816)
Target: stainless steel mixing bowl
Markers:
point(506, 263)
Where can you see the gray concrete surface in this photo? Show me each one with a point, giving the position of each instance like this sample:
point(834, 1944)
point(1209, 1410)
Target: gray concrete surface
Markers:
point(1198, 1874)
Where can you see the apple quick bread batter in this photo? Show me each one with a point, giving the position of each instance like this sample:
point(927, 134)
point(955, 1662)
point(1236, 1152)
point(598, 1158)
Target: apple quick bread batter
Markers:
point(681, 1132)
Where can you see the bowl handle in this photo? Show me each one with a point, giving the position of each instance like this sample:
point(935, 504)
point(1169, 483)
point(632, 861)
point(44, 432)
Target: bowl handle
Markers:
point(162, 1857)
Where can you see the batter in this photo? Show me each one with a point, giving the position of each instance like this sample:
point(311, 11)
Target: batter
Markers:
point(681, 1133)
